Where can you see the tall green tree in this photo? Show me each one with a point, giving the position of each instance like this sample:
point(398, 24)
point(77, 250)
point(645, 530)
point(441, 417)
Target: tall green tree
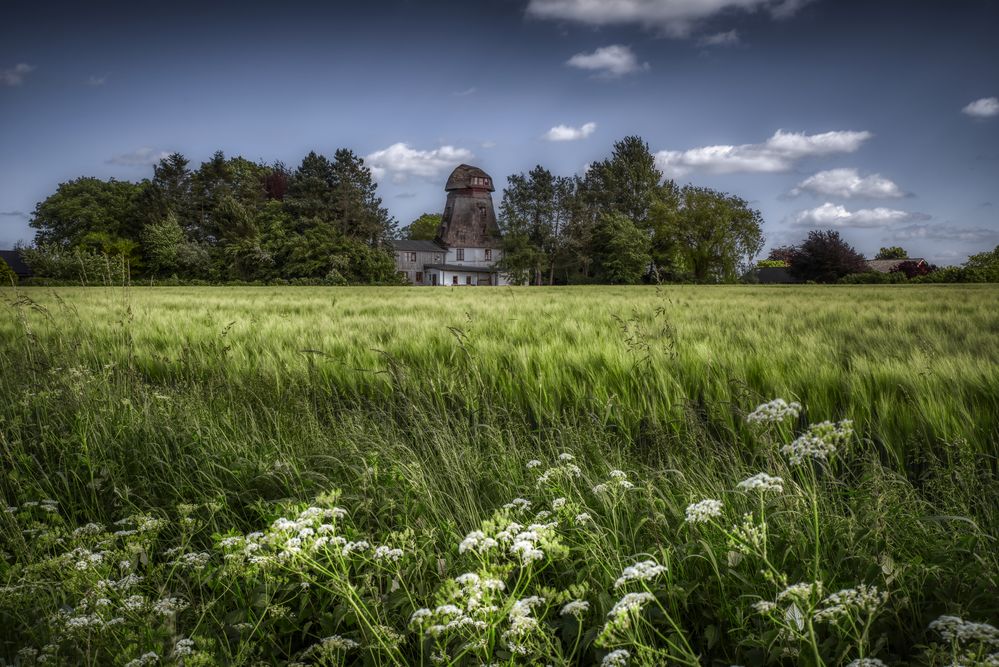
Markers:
point(711, 235)
point(626, 182)
point(424, 228)
point(535, 216)
point(621, 250)
point(892, 252)
point(85, 209)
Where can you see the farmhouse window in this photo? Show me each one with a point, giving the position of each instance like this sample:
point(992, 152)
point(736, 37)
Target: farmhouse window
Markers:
point(412, 256)
point(459, 254)
point(419, 276)
point(489, 253)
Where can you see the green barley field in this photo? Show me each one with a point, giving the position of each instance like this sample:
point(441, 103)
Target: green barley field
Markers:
point(381, 476)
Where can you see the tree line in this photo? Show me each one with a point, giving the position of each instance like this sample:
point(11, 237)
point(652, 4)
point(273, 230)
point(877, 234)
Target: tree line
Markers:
point(231, 219)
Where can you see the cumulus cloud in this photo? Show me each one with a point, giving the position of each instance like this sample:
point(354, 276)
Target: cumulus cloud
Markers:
point(140, 157)
point(400, 161)
point(778, 153)
point(569, 133)
point(987, 107)
point(945, 232)
point(730, 38)
point(848, 183)
point(14, 76)
point(608, 61)
point(676, 18)
point(835, 215)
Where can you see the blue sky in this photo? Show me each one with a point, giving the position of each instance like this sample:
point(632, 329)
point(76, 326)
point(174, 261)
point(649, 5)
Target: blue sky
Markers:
point(879, 119)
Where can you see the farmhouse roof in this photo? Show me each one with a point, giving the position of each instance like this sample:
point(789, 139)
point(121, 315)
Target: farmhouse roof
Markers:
point(416, 246)
point(775, 275)
point(886, 265)
point(461, 268)
point(462, 176)
point(14, 261)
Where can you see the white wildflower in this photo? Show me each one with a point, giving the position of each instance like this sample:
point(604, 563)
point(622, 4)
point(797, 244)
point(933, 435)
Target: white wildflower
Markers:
point(643, 571)
point(819, 443)
point(387, 553)
point(167, 606)
point(776, 410)
point(336, 642)
point(566, 457)
point(533, 463)
point(704, 511)
point(954, 628)
point(866, 662)
point(575, 608)
point(761, 482)
point(558, 504)
point(848, 602)
point(183, 647)
point(518, 504)
point(618, 658)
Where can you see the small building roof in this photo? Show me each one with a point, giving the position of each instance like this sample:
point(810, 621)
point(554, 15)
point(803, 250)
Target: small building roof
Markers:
point(775, 275)
point(886, 265)
point(416, 246)
point(14, 261)
point(460, 268)
point(462, 176)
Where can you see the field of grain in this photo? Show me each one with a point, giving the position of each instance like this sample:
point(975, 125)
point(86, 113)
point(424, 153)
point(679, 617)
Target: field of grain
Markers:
point(270, 475)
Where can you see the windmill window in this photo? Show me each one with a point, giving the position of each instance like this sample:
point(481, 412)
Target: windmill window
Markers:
point(412, 256)
point(489, 253)
point(459, 254)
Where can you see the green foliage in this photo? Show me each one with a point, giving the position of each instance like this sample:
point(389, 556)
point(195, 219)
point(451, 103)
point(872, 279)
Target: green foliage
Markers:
point(710, 234)
point(185, 470)
point(622, 255)
point(89, 208)
point(79, 264)
point(7, 275)
point(772, 263)
point(424, 228)
point(892, 252)
point(984, 267)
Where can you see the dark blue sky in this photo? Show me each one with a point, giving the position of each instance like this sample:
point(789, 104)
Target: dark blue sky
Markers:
point(875, 118)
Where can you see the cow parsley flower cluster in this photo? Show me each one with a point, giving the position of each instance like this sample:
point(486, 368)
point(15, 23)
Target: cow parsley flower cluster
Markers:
point(819, 443)
point(564, 469)
point(773, 412)
point(522, 623)
point(618, 481)
point(850, 602)
point(956, 629)
point(621, 615)
point(575, 608)
point(866, 662)
point(761, 482)
point(616, 658)
point(478, 542)
point(643, 571)
point(801, 592)
point(704, 511)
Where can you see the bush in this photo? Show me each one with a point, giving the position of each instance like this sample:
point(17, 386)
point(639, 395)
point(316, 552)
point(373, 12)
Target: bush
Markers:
point(7, 275)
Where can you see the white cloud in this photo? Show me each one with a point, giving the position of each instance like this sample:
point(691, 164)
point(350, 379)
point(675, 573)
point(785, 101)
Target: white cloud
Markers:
point(568, 133)
point(14, 76)
point(983, 108)
point(730, 38)
point(465, 93)
point(402, 162)
point(835, 215)
point(140, 157)
point(97, 80)
point(944, 232)
point(14, 214)
point(848, 183)
point(676, 18)
point(778, 153)
point(608, 61)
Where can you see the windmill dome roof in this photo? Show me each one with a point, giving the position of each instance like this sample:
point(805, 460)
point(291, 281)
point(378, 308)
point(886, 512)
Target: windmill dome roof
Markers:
point(462, 176)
